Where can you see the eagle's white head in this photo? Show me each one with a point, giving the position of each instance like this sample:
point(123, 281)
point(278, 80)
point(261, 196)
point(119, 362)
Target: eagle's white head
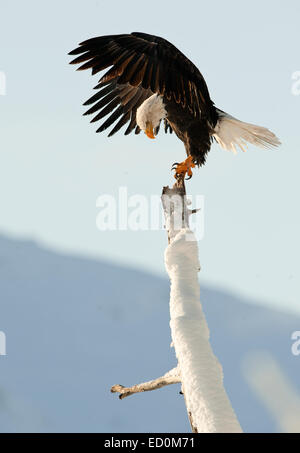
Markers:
point(150, 114)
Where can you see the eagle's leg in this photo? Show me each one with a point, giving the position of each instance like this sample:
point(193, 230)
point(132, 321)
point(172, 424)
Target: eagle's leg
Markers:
point(183, 168)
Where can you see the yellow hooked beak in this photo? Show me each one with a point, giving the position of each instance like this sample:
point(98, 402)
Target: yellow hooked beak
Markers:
point(149, 130)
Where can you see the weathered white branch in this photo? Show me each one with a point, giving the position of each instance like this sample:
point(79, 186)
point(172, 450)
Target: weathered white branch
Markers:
point(208, 406)
point(171, 377)
point(209, 409)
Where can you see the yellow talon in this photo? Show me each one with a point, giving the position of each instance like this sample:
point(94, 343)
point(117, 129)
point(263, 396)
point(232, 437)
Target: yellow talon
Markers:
point(184, 167)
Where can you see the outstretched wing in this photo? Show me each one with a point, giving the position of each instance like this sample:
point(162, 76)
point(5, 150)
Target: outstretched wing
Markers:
point(123, 100)
point(140, 65)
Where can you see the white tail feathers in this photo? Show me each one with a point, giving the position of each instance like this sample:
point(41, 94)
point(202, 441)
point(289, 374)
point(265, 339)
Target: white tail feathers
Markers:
point(231, 133)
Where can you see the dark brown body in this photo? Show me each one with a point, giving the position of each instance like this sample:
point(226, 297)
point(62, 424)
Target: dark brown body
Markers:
point(195, 133)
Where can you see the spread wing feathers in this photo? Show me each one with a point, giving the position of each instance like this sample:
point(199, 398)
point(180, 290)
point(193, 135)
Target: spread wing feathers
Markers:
point(231, 133)
point(140, 65)
point(121, 102)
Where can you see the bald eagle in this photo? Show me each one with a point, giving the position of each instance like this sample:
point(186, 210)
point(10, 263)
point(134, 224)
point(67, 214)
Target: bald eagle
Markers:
point(150, 80)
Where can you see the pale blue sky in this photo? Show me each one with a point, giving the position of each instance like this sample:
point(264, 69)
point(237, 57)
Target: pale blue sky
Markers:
point(54, 166)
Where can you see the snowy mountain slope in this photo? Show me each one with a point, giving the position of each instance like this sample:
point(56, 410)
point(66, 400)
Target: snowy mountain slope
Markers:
point(76, 326)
